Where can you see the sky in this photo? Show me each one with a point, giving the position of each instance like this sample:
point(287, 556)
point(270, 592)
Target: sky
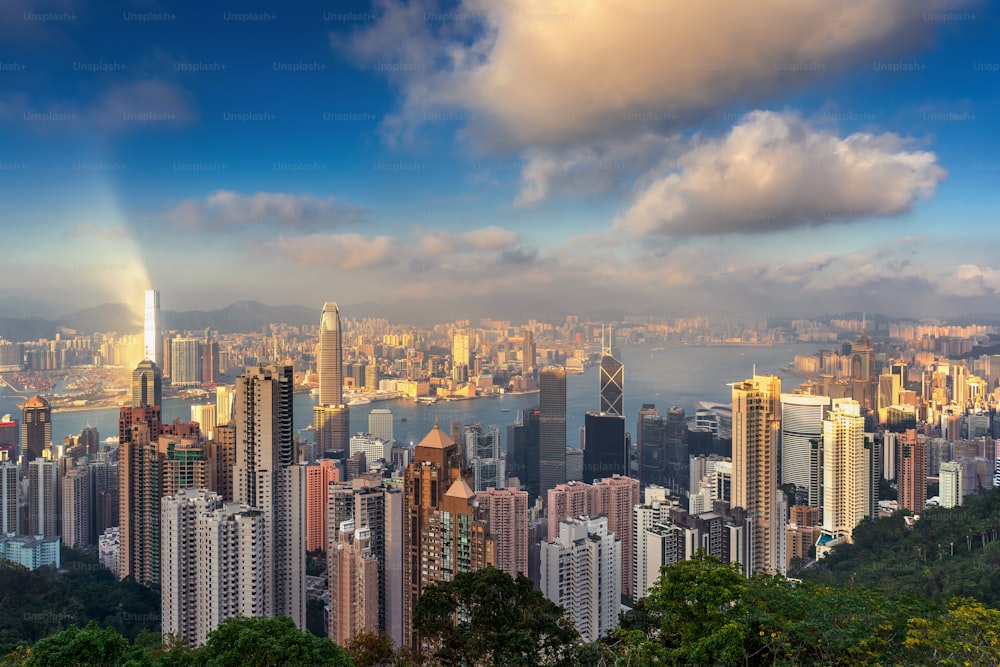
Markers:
point(778, 157)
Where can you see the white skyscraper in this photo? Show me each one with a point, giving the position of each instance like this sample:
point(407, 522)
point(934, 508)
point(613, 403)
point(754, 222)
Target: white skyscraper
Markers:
point(845, 469)
point(224, 396)
point(214, 563)
point(373, 447)
point(581, 572)
point(801, 422)
point(330, 359)
point(152, 344)
point(8, 495)
point(951, 482)
point(654, 510)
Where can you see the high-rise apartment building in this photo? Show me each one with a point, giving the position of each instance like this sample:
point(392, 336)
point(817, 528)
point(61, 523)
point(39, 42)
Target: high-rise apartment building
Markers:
point(952, 479)
point(801, 424)
point(36, 428)
point(224, 400)
point(756, 429)
point(214, 565)
point(581, 572)
point(185, 360)
point(460, 349)
point(566, 501)
point(912, 472)
point(655, 509)
point(845, 469)
point(616, 497)
point(267, 478)
point(374, 448)
point(552, 427)
point(43, 498)
point(9, 519)
point(139, 496)
point(146, 384)
point(75, 495)
point(444, 533)
point(318, 478)
point(352, 570)
point(508, 526)
point(152, 343)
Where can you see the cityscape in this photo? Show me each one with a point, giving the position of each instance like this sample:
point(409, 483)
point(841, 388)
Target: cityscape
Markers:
point(407, 332)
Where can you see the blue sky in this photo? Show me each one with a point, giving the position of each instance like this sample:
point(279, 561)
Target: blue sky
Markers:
point(779, 157)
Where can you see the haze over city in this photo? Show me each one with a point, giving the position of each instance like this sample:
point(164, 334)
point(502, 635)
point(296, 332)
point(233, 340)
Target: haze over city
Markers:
point(779, 157)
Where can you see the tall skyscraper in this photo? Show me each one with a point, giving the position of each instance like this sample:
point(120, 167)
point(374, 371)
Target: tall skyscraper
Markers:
point(482, 454)
point(801, 423)
point(380, 424)
point(568, 500)
point(528, 353)
point(76, 511)
point(353, 577)
point(756, 428)
point(8, 496)
point(146, 384)
point(845, 469)
point(604, 453)
point(152, 343)
point(508, 526)
point(581, 572)
point(267, 478)
point(952, 478)
point(330, 360)
point(655, 509)
point(617, 495)
point(318, 478)
point(36, 428)
point(522, 451)
point(139, 496)
point(224, 397)
point(552, 427)
point(185, 362)
point(863, 376)
point(460, 349)
point(651, 442)
point(215, 562)
point(43, 498)
point(678, 461)
point(612, 378)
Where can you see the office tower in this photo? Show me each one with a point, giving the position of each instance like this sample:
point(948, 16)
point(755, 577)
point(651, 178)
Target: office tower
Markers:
point(373, 448)
point(146, 384)
point(214, 563)
point(185, 359)
point(845, 469)
point(605, 453)
point(36, 428)
point(802, 422)
point(756, 428)
point(508, 516)
point(568, 500)
point(91, 440)
point(8, 496)
point(330, 361)
point(318, 478)
point(616, 496)
point(655, 509)
point(677, 472)
point(224, 398)
point(612, 378)
point(913, 472)
point(581, 572)
point(139, 496)
point(522, 451)
point(652, 446)
point(528, 353)
point(442, 535)
point(151, 342)
point(332, 427)
point(380, 424)
point(76, 511)
point(482, 454)
point(209, 361)
point(951, 484)
point(863, 371)
point(352, 570)
point(267, 478)
point(460, 350)
point(888, 394)
point(43, 498)
point(551, 427)
point(205, 416)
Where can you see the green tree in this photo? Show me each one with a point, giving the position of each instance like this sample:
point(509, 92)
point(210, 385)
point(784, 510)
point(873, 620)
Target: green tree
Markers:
point(488, 618)
point(368, 649)
point(74, 646)
point(966, 634)
point(263, 642)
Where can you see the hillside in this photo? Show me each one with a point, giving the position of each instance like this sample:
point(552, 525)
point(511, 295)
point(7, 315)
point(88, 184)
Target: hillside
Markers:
point(948, 552)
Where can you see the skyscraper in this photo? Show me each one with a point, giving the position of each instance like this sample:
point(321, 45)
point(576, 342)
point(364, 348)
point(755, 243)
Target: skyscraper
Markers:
point(380, 424)
point(146, 384)
point(139, 496)
point(330, 360)
point(267, 478)
point(651, 441)
point(756, 428)
point(482, 454)
point(604, 453)
point(612, 378)
point(863, 377)
point(331, 424)
point(845, 469)
point(353, 577)
point(76, 511)
point(185, 362)
point(552, 427)
point(318, 478)
point(460, 349)
point(522, 451)
point(952, 478)
point(508, 514)
point(678, 462)
point(205, 416)
point(568, 500)
point(36, 428)
point(617, 495)
point(224, 397)
point(802, 422)
point(655, 509)
point(913, 472)
point(152, 343)
point(8, 496)
point(43, 498)
point(528, 353)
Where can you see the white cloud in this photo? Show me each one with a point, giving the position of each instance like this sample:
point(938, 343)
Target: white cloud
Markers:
point(774, 171)
point(227, 209)
point(436, 242)
point(562, 72)
point(971, 280)
point(341, 251)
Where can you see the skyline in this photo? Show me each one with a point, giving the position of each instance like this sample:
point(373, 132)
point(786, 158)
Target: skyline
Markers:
point(781, 158)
